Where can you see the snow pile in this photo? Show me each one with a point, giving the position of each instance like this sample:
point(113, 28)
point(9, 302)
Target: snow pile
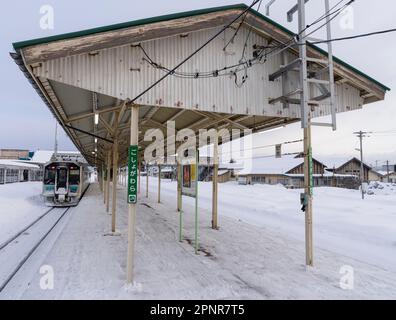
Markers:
point(381, 188)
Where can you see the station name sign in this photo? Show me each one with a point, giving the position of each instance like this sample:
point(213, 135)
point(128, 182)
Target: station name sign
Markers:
point(133, 174)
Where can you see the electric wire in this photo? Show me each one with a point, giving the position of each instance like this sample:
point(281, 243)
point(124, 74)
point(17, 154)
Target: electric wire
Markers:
point(193, 54)
point(242, 65)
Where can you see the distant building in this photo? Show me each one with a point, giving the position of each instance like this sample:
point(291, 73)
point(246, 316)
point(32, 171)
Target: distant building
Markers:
point(14, 154)
point(391, 178)
point(353, 167)
point(23, 165)
point(388, 177)
point(384, 167)
point(12, 171)
point(287, 170)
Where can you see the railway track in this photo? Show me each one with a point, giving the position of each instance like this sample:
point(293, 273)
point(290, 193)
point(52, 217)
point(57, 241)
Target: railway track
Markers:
point(18, 249)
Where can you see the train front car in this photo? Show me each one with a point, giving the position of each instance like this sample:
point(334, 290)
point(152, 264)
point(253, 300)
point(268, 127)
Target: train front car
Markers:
point(64, 183)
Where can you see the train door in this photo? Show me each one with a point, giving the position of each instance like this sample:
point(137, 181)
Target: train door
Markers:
point(61, 174)
point(25, 175)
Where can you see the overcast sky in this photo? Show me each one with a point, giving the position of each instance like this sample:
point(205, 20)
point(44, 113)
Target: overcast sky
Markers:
point(25, 122)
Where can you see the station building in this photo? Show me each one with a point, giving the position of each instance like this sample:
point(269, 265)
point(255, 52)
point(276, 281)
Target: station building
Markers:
point(12, 171)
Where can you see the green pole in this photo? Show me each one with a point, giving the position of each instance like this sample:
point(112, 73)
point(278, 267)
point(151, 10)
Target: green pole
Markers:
point(180, 179)
point(196, 204)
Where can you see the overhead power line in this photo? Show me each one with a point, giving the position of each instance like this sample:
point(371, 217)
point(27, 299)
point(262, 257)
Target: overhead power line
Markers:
point(194, 53)
point(369, 34)
point(262, 147)
point(292, 42)
point(243, 64)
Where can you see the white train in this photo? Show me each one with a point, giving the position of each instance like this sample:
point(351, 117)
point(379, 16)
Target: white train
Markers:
point(65, 182)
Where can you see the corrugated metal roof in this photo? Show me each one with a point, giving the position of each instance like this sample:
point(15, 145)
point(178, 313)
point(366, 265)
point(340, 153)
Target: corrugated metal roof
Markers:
point(23, 44)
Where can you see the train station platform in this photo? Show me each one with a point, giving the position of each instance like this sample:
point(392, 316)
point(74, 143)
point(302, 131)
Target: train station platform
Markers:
point(240, 261)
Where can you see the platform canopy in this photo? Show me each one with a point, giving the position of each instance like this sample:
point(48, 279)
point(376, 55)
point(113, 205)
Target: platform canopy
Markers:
point(99, 71)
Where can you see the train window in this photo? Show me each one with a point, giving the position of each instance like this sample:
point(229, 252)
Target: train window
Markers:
point(62, 178)
point(49, 176)
point(74, 177)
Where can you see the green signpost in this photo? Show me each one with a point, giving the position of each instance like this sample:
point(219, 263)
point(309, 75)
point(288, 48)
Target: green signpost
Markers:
point(133, 174)
point(311, 181)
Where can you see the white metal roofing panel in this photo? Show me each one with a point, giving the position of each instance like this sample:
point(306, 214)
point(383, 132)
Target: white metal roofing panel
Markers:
point(122, 73)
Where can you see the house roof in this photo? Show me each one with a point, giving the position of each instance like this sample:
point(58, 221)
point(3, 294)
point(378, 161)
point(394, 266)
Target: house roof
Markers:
point(353, 159)
point(163, 18)
point(385, 173)
point(271, 165)
point(17, 164)
point(42, 156)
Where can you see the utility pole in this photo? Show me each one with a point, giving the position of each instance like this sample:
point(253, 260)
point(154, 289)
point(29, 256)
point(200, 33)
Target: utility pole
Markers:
point(305, 86)
point(361, 134)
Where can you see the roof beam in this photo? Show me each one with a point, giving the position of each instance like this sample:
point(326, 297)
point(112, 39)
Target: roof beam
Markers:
point(219, 117)
point(109, 129)
point(88, 133)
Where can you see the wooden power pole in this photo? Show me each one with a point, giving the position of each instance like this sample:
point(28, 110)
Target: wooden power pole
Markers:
point(361, 134)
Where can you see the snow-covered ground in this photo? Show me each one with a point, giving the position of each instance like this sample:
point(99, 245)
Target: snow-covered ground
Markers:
point(343, 222)
point(20, 204)
point(259, 251)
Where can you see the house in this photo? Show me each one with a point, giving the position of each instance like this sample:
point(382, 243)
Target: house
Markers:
point(353, 167)
point(287, 170)
point(227, 172)
point(388, 177)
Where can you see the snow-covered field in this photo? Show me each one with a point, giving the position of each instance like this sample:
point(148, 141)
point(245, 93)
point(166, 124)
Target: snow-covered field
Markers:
point(258, 253)
point(20, 204)
point(343, 222)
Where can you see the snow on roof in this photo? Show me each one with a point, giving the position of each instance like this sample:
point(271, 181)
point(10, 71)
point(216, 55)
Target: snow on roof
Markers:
point(17, 163)
point(44, 156)
point(383, 172)
point(271, 165)
point(231, 166)
point(222, 172)
point(336, 162)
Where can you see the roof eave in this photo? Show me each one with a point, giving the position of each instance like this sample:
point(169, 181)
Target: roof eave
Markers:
point(23, 44)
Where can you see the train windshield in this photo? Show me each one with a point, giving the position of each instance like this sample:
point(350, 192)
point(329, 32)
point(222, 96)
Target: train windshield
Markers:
point(74, 176)
point(62, 178)
point(49, 176)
